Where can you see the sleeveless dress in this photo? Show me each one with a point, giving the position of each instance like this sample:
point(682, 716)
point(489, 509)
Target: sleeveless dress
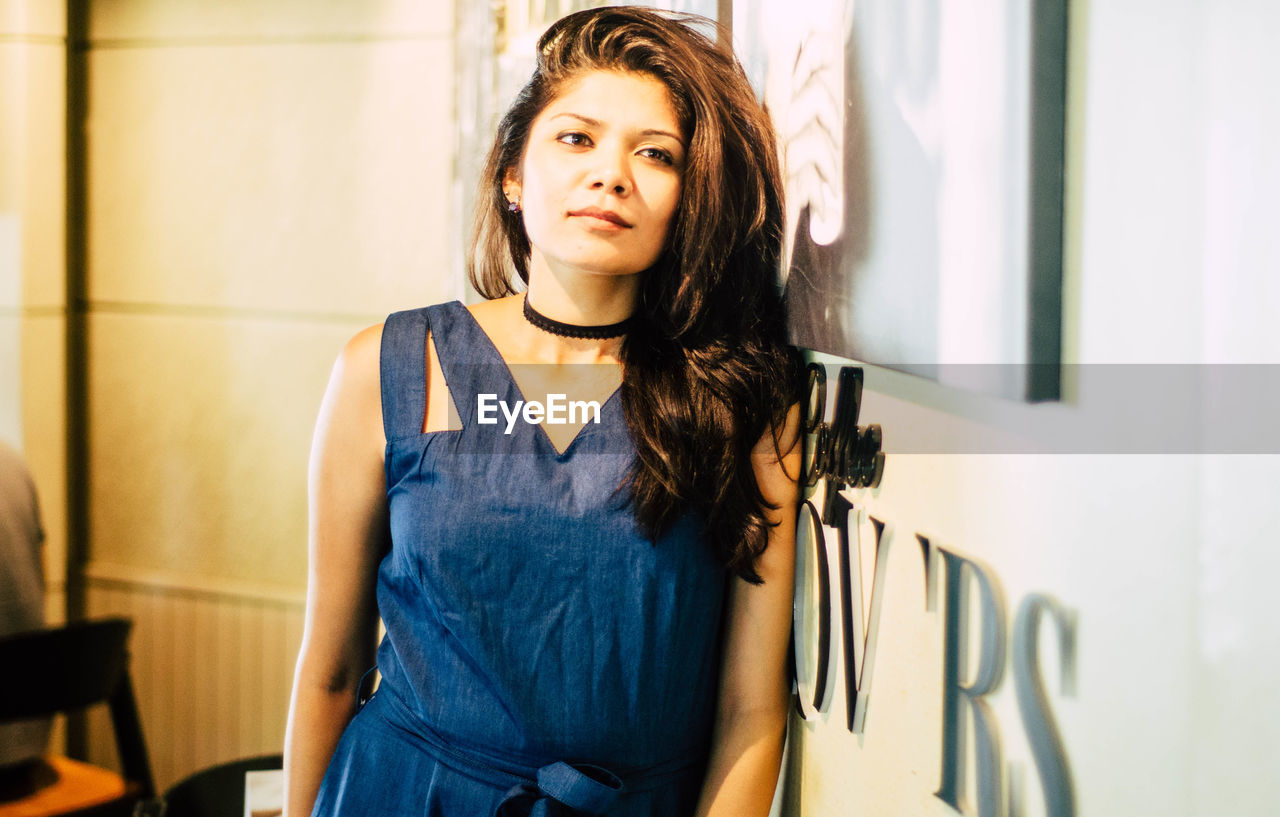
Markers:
point(542, 657)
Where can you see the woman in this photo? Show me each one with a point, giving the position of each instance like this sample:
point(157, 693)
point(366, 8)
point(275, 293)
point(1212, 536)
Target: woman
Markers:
point(588, 616)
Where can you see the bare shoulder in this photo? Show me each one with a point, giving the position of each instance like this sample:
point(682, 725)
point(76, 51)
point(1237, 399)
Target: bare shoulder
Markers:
point(361, 354)
point(497, 313)
point(352, 405)
point(497, 308)
point(357, 371)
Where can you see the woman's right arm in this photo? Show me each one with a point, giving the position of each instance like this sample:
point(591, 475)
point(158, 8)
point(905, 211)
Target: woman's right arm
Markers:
point(347, 524)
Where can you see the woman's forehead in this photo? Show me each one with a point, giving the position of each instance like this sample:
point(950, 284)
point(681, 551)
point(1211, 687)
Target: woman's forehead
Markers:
point(621, 97)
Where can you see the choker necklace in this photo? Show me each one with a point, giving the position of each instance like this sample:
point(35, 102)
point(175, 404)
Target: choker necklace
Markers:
point(569, 330)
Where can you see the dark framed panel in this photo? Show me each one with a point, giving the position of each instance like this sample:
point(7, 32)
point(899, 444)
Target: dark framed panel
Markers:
point(923, 143)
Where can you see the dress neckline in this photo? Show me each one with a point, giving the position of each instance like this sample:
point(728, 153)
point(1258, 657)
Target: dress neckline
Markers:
point(492, 350)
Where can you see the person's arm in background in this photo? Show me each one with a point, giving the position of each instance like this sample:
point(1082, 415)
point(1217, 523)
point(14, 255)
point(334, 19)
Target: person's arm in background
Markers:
point(751, 712)
point(347, 536)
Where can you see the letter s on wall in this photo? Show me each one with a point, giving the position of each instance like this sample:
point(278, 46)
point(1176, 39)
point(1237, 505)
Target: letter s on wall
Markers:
point(1033, 703)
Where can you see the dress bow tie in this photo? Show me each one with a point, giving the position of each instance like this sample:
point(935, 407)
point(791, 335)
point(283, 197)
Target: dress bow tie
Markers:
point(563, 790)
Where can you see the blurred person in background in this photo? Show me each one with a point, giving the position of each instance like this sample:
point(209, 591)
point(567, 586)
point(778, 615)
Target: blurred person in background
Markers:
point(22, 743)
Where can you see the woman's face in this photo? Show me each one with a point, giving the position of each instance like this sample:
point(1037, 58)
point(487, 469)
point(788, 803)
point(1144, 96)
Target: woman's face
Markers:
point(600, 178)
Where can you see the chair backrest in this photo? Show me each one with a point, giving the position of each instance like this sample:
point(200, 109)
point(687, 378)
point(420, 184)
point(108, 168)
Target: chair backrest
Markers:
point(218, 791)
point(65, 669)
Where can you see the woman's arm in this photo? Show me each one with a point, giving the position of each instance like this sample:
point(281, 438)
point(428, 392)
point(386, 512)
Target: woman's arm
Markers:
point(751, 715)
point(347, 537)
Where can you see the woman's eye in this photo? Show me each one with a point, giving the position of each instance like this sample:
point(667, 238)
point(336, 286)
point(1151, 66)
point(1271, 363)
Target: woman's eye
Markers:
point(574, 138)
point(659, 154)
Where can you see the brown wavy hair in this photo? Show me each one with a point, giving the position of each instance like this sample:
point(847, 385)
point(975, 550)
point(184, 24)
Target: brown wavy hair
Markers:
point(707, 370)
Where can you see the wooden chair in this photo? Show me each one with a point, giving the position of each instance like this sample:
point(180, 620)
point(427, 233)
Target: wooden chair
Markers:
point(66, 669)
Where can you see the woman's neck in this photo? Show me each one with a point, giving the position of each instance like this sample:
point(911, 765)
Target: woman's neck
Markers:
point(582, 299)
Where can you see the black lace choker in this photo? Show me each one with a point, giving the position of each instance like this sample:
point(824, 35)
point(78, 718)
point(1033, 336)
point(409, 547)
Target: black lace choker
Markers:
point(569, 330)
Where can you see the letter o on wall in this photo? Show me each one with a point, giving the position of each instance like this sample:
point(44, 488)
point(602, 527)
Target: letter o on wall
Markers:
point(813, 573)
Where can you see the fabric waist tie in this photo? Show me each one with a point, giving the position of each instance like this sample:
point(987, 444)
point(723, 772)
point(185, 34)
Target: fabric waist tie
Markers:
point(556, 789)
point(563, 790)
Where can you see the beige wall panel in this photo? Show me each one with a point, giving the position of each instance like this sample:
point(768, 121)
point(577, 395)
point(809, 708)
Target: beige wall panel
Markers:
point(228, 682)
point(45, 18)
point(168, 19)
point(250, 661)
point(200, 430)
point(212, 672)
point(10, 258)
point(32, 168)
point(44, 200)
point(13, 125)
point(304, 178)
point(204, 747)
point(11, 379)
point(44, 430)
point(55, 606)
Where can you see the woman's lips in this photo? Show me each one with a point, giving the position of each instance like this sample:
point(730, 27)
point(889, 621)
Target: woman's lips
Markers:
point(601, 218)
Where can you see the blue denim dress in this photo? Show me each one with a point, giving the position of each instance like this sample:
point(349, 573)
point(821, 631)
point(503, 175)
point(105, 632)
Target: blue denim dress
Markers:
point(543, 658)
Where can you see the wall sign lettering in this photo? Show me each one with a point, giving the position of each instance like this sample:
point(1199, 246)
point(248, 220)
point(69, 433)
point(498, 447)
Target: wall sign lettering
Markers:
point(974, 622)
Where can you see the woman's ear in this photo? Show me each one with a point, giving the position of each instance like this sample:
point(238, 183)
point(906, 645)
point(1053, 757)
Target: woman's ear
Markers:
point(511, 185)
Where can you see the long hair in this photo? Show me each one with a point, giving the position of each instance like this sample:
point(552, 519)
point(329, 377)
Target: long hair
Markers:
point(706, 367)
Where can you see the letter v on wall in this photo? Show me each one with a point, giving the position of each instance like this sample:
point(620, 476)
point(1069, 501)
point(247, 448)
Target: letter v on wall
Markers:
point(860, 610)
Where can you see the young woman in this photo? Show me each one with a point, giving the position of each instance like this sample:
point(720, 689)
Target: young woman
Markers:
point(588, 611)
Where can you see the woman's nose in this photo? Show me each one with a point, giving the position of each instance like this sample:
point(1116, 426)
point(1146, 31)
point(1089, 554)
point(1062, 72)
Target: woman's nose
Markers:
point(610, 173)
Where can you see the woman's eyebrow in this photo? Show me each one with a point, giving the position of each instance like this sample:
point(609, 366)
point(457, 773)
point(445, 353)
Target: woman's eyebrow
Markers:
point(596, 123)
point(660, 132)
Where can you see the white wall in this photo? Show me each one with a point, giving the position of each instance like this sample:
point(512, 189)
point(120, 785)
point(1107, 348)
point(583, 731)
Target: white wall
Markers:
point(1167, 559)
point(1237, 667)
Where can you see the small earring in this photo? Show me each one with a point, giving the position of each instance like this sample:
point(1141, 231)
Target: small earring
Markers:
point(513, 206)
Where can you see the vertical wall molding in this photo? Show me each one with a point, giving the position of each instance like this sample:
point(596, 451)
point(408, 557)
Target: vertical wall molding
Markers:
point(76, 358)
point(76, 300)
